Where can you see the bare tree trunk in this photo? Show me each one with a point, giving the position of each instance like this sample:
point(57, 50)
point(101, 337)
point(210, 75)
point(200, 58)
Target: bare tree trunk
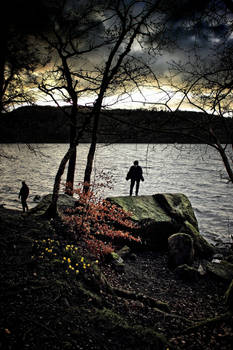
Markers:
point(91, 153)
point(226, 162)
point(72, 160)
point(223, 155)
point(2, 77)
point(73, 125)
point(52, 209)
point(110, 72)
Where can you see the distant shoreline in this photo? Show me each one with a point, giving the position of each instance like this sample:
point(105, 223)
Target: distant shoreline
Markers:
point(46, 124)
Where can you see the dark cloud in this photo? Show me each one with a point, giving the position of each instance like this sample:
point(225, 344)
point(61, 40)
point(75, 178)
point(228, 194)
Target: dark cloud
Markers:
point(187, 24)
point(24, 15)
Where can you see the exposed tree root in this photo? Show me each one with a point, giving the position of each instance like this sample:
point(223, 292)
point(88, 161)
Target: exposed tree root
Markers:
point(208, 322)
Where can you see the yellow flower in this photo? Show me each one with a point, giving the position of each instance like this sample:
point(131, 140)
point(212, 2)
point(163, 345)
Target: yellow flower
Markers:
point(97, 261)
point(69, 261)
point(82, 259)
point(88, 265)
point(77, 271)
point(64, 258)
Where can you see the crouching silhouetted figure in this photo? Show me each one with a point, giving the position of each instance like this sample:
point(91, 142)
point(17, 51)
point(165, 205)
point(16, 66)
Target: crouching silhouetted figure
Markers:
point(23, 194)
point(135, 175)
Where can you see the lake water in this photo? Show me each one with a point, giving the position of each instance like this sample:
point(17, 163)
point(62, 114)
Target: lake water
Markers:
point(195, 170)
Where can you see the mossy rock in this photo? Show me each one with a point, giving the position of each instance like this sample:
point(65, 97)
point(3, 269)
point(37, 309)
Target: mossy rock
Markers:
point(64, 201)
point(124, 252)
point(202, 248)
point(142, 207)
point(222, 270)
point(117, 262)
point(162, 215)
point(177, 206)
point(162, 207)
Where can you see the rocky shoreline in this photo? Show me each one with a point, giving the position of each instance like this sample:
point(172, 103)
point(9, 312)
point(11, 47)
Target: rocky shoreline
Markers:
point(140, 303)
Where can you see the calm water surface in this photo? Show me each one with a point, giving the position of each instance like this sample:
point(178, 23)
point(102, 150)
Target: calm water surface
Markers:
point(194, 170)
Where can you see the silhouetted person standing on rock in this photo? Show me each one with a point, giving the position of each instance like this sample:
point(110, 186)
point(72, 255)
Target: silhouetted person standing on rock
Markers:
point(23, 193)
point(135, 175)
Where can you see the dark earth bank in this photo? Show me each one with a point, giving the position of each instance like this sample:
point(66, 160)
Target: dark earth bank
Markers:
point(44, 305)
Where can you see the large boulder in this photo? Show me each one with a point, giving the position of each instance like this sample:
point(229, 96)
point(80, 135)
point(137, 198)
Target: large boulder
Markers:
point(160, 216)
point(180, 250)
point(155, 224)
point(178, 207)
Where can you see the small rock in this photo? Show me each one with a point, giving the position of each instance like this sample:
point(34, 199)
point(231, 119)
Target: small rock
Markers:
point(216, 261)
point(133, 257)
point(217, 256)
point(222, 270)
point(37, 198)
point(124, 252)
point(201, 270)
point(187, 273)
point(117, 262)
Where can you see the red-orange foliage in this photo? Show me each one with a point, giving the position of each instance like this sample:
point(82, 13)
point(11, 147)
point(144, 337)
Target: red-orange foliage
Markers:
point(95, 220)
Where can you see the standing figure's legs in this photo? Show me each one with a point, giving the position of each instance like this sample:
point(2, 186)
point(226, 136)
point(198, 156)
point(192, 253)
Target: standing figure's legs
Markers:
point(137, 186)
point(131, 187)
point(24, 204)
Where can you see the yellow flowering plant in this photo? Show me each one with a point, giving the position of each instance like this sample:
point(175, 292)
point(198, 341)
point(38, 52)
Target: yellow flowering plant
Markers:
point(66, 254)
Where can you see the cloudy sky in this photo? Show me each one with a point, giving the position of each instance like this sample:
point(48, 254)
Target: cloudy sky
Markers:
point(182, 24)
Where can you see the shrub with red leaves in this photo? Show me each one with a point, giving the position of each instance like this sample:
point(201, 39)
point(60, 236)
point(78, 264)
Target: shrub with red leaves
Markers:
point(97, 220)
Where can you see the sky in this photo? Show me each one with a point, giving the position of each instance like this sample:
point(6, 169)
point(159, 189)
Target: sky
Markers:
point(188, 26)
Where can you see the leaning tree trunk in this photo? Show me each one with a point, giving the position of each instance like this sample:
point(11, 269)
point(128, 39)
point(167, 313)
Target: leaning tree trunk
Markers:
point(91, 153)
point(226, 162)
point(51, 212)
point(72, 159)
point(72, 163)
point(223, 155)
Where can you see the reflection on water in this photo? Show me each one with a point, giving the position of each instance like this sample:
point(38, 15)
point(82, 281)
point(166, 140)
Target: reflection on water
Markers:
point(194, 170)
